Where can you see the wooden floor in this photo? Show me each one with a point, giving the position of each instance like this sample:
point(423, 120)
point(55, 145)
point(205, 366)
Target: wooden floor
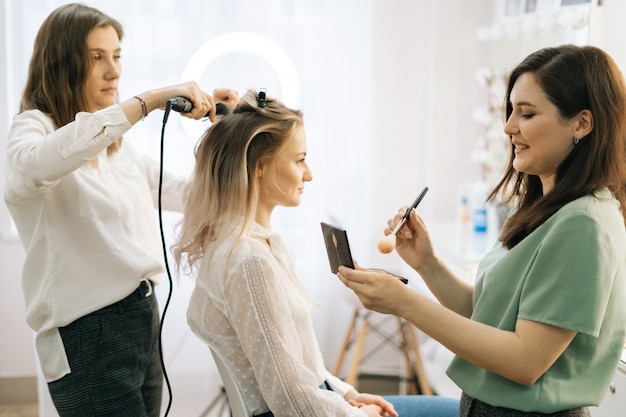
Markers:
point(19, 410)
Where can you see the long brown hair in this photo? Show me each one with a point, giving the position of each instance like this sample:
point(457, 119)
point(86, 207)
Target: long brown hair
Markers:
point(60, 62)
point(573, 78)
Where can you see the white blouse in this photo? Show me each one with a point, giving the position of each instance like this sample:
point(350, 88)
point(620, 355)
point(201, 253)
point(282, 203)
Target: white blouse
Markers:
point(251, 307)
point(90, 233)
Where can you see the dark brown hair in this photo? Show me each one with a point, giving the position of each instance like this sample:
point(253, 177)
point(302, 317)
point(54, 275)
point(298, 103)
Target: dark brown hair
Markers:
point(573, 78)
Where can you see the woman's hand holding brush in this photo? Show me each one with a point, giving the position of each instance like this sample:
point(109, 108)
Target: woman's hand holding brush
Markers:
point(388, 243)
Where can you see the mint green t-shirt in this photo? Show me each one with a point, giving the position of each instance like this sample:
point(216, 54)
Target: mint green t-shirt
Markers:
point(570, 273)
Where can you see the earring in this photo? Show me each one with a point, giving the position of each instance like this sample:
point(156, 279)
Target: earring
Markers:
point(576, 140)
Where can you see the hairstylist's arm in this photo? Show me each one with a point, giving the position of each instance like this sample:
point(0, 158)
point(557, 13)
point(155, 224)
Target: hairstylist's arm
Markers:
point(414, 246)
point(511, 354)
point(203, 102)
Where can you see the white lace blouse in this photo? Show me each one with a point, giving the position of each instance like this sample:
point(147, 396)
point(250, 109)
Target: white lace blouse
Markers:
point(250, 306)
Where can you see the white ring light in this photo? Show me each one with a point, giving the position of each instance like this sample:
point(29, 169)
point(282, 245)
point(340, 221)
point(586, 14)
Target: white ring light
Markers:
point(253, 43)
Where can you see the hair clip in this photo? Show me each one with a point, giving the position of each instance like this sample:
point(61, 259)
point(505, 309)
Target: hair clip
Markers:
point(261, 98)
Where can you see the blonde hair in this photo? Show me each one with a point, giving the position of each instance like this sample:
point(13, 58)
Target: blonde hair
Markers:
point(222, 198)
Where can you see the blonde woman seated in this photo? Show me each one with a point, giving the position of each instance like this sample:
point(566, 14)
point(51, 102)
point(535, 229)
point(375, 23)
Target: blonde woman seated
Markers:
point(249, 304)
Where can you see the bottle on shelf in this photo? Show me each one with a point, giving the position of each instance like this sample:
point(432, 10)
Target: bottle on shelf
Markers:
point(479, 206)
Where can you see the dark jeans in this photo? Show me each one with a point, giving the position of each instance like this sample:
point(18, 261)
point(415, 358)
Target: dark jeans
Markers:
point(114, 359)
point(472, 407)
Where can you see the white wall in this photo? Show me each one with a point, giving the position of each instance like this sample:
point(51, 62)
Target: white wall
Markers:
point(611, 30)
point(16, 347)
point(426, 55)
point(424, 94)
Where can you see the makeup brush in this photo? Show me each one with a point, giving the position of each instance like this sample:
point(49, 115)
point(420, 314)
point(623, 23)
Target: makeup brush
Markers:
point(388, 243)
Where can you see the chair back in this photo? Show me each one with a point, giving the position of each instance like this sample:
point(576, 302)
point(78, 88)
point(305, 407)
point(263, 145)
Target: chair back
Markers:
point(236, 401)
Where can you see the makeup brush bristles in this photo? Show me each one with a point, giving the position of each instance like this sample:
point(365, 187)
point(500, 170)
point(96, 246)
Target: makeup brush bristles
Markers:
point(387, 244)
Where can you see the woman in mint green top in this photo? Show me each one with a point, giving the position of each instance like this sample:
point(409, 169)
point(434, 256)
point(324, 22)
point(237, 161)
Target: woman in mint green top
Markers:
point(543, 328)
